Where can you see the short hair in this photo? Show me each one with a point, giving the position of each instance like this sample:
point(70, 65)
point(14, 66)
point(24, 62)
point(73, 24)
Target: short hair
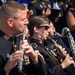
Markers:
point(36, 21)
point(10, 8)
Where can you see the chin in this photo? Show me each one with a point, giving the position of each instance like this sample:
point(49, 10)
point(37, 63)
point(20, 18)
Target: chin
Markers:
point(21, 31)
point(45, 38)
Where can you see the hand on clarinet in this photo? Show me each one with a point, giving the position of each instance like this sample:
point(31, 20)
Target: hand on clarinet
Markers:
point(67, 61)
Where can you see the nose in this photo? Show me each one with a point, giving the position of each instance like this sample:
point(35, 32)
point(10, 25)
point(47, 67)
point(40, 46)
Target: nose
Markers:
point(26, 22)
point(48, 30)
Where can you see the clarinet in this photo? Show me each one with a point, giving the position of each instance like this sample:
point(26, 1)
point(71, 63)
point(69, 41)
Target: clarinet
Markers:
point(58, 50)
point(70, 41)
point(26, 59)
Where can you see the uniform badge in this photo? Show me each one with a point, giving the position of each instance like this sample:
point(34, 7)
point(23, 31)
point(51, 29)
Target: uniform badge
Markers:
point(6, 37)
point(31, 11)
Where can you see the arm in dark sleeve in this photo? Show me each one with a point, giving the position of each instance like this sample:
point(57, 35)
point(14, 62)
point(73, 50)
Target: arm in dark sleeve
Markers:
point(2, 71)
point(57, 70)
point(39, 68)
point(42, 68)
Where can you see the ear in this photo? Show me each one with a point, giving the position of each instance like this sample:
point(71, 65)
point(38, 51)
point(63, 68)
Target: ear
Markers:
point(36, 29)
point(10, 22)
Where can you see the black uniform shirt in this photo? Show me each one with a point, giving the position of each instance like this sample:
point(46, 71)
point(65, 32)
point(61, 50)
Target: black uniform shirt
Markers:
point(70, 69)
point(53, 66)
point(7, 48)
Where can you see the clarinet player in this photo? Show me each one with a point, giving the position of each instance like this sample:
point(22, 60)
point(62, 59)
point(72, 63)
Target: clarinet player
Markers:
point(58, 40)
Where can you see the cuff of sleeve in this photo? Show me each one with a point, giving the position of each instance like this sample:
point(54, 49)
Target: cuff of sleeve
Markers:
point(39, 62)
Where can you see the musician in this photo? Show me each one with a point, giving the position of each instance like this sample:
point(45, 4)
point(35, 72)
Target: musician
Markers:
point(13, 17)
point(55, 35)
point(38, 27)
point(58, 40)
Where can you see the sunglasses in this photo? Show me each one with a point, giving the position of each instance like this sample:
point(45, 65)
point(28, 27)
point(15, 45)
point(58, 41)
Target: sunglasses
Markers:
point(46, 27)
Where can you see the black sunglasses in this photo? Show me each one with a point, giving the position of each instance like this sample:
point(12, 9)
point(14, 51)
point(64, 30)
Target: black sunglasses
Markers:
point(46, 27)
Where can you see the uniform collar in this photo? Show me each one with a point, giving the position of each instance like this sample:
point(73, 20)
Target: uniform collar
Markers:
point(32, 40)
point(5, 36)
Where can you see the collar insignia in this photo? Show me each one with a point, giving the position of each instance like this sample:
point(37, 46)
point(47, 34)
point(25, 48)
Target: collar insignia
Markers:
point(6, 37)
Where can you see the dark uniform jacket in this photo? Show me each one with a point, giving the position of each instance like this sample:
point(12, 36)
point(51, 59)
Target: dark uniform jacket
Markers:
point(52, 63)
point(7, 47)
point(48, 42)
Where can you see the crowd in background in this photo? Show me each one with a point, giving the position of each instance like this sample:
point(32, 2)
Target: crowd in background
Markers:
point(55, 10)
